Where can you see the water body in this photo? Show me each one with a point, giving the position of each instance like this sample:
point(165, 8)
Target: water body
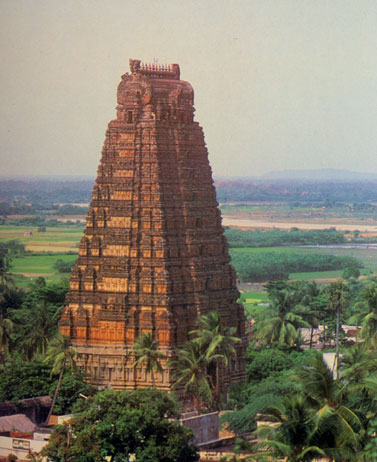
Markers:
point(353, 245)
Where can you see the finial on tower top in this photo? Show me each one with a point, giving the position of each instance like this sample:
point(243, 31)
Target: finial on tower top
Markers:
point(157, 71)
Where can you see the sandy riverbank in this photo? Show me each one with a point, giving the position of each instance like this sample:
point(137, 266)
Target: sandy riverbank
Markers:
point(248, 223)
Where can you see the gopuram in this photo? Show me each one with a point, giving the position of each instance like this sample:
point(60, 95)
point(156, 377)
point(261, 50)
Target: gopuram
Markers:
point(153, 257)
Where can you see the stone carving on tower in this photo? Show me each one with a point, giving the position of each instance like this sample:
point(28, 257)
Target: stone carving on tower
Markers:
point(153, 257)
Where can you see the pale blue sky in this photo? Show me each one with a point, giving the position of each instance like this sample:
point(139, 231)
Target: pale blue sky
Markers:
point(278, 83)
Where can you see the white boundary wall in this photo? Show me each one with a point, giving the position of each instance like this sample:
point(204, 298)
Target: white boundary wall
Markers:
point(20, 447)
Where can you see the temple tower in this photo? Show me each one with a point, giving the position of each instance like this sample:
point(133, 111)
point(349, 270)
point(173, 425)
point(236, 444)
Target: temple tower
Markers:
point(153, 257)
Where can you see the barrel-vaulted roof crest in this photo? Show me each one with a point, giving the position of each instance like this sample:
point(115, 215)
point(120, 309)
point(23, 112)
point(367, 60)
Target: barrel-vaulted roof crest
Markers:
point(158, 71)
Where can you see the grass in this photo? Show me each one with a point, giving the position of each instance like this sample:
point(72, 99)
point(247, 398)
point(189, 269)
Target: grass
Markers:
point(316, 275)
point(59, 239)
point(368, 257)
point(38, 265)
point(250, 300)
point(20, 280)
point(66, 239)
point(253, 297)
point(254, 309)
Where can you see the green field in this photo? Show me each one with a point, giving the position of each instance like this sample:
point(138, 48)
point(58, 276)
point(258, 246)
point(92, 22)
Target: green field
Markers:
point(39, 265)
point(250, 300)
point(63, 239)
point(321, 275)
point(253, 308)
point(316, 275)
point(367, 256)
point(253, 297)
point(59, 239)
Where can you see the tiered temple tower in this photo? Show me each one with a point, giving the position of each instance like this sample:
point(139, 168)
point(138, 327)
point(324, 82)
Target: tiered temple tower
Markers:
point(153, 257)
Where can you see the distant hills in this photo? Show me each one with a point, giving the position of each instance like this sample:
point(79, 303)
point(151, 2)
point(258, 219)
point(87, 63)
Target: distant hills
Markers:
point(324, 174)
point(310, 186)
point(316, 175)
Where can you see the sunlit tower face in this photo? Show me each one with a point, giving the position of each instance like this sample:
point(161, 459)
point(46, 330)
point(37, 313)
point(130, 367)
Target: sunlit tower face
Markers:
point(153, 257)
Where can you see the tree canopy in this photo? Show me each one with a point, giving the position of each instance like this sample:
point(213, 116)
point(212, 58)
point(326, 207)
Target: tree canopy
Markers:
point(123, 425)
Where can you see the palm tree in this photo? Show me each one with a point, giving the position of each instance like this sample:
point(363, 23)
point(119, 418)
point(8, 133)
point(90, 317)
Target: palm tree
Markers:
point(5, 265)
point(63, 357)
point(358, 376)
point(41, 327)
point(190, 371)
point(311, 315)
point(216, 343)
point(369, 329)
point(6, 281)
point(6, 328)
point(146, 350)
point(326, 396)
point(337, 301)
point(291, 432)
point(282, 321)
point(357, 364)
point(310, 306)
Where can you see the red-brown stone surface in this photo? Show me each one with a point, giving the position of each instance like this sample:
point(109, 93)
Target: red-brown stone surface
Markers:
point(153, 257)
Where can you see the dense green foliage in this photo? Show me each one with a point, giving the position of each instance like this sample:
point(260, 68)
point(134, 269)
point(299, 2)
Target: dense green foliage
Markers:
point(28, 329)
point(268, 373)
point(278, 237)
point(337, 416)
point(12, 247)
point(262, 364)
point(197, 364)
point(316, 418)
point(20, 380)
point(349, 273)
point(122, 425)
point(313, 413)
point(16, 208)
point(64, 266)
point(264, 266)
point(41, 221)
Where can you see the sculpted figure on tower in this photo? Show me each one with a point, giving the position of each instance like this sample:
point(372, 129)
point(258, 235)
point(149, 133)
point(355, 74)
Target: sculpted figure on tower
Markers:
point(153, 257)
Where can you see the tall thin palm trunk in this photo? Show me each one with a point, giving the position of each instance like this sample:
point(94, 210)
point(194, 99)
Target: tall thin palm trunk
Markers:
point(217, 380)
point(337, 343)
point(55, 396)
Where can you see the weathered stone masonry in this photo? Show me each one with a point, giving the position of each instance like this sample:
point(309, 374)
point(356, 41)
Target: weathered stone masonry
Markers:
point(153, 257)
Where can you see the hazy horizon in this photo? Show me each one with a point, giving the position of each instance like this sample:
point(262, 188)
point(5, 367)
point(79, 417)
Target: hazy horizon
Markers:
point(304, 174)
point(279, 84)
